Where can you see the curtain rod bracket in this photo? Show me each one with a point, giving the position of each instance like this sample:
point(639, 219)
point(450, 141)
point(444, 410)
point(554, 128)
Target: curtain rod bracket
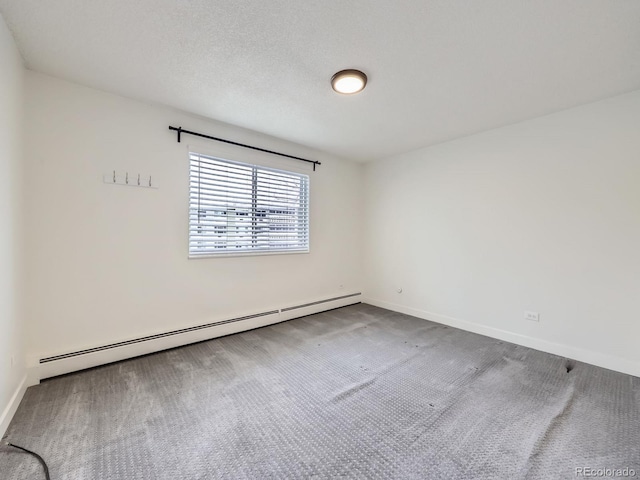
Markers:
point(180, 131)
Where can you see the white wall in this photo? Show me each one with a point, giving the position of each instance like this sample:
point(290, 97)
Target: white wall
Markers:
point(11, 331)
point(543, 216)
point(109, 263)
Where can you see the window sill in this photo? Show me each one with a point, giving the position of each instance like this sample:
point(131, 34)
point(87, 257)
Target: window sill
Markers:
point(246, 254)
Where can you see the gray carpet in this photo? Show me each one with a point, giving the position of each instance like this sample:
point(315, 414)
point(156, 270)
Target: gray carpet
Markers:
point(358, 392)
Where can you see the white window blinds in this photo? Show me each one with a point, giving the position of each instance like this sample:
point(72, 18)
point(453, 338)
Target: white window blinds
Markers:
point(237, 208)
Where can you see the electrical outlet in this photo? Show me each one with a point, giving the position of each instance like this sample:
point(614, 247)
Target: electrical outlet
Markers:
point(533, 316)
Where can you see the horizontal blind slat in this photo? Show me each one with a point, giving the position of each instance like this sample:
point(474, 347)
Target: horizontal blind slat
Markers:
point(241, 183)
point(242, 168)
point(222, 191)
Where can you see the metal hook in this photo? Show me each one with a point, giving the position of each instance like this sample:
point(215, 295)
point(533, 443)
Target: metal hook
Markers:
point(138, 179)
point(114, 176)
point(149, 180)
point(126, 178)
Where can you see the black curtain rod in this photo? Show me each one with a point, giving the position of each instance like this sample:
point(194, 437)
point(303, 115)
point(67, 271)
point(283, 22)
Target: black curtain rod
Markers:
point(180, 131)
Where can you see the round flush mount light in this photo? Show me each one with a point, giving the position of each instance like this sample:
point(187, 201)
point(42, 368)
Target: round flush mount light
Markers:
point(348, 81)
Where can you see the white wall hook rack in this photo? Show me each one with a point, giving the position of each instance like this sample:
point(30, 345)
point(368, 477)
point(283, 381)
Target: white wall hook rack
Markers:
point(130, 180)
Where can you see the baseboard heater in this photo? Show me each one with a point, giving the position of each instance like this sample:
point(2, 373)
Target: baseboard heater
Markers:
point(319, 302)
point(186, 330)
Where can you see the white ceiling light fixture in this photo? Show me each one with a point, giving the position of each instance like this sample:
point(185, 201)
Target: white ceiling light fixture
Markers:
point(348, 82)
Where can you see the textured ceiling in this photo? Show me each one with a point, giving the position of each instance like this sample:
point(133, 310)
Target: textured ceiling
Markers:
point(437, 69)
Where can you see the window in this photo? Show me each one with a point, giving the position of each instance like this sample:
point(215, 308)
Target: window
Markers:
point(237, 208)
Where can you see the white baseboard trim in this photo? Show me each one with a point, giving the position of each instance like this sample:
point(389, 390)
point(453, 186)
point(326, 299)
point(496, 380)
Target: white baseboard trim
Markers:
point(11, 408)
point(594, 358)
point(38, 370)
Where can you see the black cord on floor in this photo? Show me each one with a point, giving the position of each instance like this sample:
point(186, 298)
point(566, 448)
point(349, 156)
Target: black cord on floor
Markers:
point(40, 459)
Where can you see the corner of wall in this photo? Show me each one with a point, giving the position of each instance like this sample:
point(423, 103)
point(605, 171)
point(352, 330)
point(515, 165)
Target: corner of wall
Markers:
point(13, 381)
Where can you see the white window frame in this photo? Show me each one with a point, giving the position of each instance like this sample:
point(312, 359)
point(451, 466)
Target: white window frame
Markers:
point(262, 200)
